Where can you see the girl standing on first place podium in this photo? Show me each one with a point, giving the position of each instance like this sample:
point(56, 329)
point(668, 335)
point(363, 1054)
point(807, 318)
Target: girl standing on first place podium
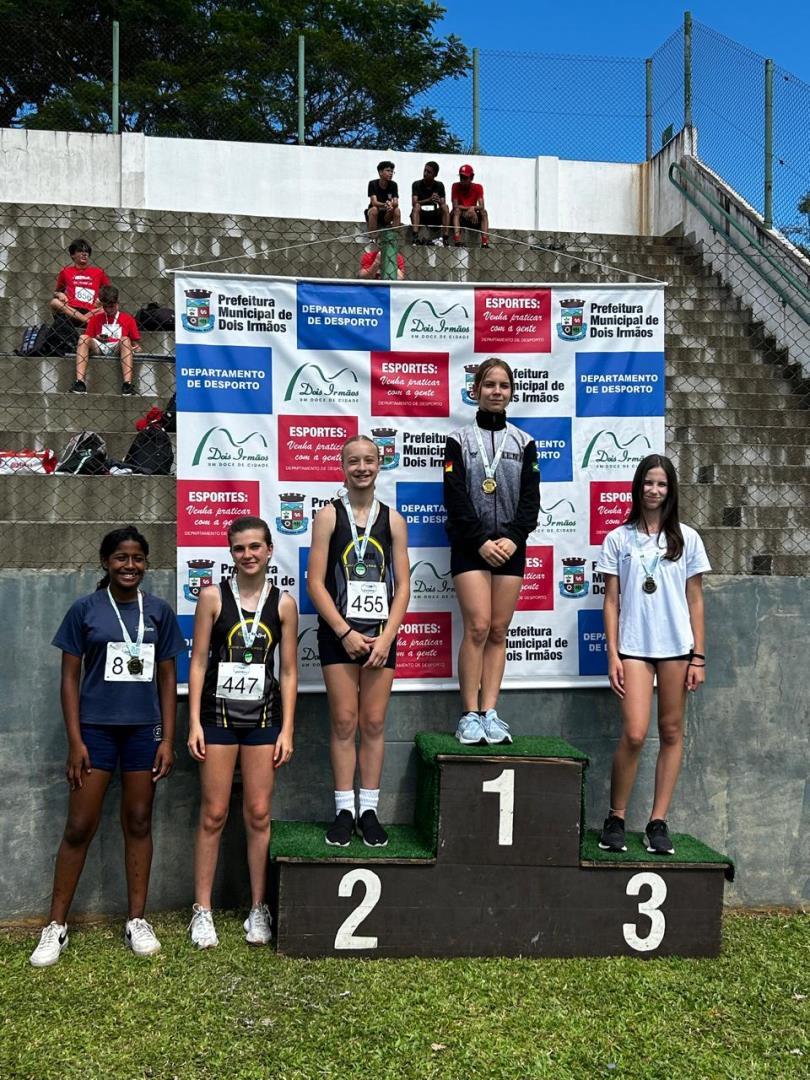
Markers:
point(359, 582)
point(492, 498)
point(653, 613)
point(239, 709)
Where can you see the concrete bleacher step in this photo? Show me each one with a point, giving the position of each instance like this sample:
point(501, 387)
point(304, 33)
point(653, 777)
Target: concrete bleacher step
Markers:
point(74, 545)
point(750, 476)
point(782, 565)
point(754, 437)
point(794, 421)
point(691, 456)
point(682, 390)
point(59, 498)
point(154, 379)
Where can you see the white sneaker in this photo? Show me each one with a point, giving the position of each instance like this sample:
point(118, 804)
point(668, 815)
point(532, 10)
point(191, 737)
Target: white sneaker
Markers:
point(203, 934)
point(257, 925)
point(496, 731)
point(140, 937)
point(52, 940)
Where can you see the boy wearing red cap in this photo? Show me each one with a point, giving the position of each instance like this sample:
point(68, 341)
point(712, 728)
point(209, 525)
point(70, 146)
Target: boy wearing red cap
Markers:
point(468, 206)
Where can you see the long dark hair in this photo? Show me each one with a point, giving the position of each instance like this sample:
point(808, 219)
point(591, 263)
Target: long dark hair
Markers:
point(111, 542)
point(670, 525)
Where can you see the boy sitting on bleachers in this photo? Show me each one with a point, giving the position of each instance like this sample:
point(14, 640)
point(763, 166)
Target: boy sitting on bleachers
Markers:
point(109, 332)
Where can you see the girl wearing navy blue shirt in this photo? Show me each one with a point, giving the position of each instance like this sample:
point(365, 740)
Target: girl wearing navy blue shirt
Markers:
point(119, 701)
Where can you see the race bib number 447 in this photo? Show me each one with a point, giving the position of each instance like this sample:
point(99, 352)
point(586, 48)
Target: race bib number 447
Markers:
point(240, 682)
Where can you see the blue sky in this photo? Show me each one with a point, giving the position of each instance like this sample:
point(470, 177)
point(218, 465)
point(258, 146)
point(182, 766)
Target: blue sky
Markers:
point(569, 81)
point(636, 28)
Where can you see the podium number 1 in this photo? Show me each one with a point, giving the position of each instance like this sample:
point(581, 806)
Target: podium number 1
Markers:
point(504, 787)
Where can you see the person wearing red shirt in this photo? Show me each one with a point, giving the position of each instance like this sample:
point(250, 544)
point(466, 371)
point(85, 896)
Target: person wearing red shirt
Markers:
point(77, 286)
point(109, 332)
point(468, 206)
point(371, 265)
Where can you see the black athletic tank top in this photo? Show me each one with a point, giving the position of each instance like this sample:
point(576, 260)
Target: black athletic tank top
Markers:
point(227, 645)
point(341, 561)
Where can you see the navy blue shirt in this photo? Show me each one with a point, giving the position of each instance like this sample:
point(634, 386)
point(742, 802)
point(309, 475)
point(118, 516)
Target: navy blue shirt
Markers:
point(85, 631)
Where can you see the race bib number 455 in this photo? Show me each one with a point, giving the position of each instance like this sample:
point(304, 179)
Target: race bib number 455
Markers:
point(367, 600)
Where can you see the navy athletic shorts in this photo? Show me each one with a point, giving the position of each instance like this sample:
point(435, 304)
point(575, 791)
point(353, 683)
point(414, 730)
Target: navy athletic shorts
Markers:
point(134, 745)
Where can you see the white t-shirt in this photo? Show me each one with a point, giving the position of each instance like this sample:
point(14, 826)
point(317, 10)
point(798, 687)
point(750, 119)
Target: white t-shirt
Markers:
point(652, 624)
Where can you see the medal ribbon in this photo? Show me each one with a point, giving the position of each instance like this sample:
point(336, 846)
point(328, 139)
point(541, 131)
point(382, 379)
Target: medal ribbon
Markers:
point(360, 544)
point(649, 573)
point(489, 467)
point(133, 647)
point(249, 636)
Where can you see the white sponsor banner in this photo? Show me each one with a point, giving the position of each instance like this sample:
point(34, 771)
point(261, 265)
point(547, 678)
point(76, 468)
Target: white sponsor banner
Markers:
point(275, 374)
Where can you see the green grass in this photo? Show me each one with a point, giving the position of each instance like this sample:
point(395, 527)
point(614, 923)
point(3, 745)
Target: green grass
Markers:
point(237, 1013)
point(305, 840)
point(687, 850)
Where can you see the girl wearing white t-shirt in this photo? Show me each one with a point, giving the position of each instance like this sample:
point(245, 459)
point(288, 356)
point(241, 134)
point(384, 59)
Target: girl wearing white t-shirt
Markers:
point(653, 613)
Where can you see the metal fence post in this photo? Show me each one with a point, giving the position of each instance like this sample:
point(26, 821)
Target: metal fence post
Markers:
point(116, 76)
point(648, 66)
point(388, 246)
point(769, 144)
point(301, 116)
point(476, 107)
point(687, 69)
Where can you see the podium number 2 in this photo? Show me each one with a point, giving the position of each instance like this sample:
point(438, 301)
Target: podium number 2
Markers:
point(504, 786)
point(345, 937)
point(649, 907)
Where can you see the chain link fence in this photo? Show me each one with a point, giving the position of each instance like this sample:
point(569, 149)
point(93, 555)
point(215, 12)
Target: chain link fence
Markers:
point(738, 419)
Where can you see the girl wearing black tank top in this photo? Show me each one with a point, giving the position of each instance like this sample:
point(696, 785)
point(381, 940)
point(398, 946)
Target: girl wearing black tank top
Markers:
point(360, 586)
point(237, 708)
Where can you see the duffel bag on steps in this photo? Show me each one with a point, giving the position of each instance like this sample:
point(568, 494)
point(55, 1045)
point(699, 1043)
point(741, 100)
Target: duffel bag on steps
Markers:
point(85, 455)
point(151, 452)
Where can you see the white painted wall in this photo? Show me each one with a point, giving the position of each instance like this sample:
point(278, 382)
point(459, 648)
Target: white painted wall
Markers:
point(318, 183)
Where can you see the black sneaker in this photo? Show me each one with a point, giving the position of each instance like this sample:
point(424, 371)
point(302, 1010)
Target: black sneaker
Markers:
point(612, 838)
point(79, 387)
point(415, 241)
point(372, 832)
point(659, 842)
point(127, 389)
point(339, 833)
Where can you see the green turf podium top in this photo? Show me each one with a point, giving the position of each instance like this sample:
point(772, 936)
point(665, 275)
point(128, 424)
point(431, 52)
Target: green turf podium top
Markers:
point(434, 744)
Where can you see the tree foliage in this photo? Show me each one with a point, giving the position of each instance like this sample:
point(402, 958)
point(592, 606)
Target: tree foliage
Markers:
point(227, 69)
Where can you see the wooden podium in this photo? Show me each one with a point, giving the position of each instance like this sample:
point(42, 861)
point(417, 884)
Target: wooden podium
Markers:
point(496, 864)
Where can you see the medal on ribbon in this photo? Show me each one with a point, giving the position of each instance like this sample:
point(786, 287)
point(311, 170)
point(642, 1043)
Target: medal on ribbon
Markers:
point(489, 485)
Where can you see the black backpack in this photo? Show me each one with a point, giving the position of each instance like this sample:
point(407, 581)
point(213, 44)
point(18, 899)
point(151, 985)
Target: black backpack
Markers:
point(170, 415)
point(154, 317)
point(84, 455)
point(150, 453)
point(36, 341)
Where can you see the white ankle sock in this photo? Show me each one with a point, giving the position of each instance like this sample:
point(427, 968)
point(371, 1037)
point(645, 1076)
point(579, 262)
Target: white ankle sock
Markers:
point(369, 799)
point(344, 800)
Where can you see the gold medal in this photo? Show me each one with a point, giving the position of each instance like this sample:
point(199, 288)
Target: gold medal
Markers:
point(489, 485)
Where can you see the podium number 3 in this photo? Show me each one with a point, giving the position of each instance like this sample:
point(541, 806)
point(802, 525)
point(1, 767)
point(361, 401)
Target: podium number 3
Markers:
point(650, 908)
point(504, 787)
point(345, 937)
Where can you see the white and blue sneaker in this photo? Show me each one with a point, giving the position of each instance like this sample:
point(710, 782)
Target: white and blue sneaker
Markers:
point(496, 731)
point(470, 731)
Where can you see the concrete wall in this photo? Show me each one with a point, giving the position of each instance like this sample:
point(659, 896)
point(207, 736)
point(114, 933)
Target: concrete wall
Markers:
point(321, 183)
point(744, 787)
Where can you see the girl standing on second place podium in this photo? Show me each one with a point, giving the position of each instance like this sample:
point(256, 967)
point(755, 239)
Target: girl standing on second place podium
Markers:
point(492, 498)
point(238, 708)
point(654, 564)
point(359, 581)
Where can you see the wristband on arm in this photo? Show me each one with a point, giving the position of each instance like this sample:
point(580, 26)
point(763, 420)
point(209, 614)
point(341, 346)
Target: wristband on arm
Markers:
point(345, 633)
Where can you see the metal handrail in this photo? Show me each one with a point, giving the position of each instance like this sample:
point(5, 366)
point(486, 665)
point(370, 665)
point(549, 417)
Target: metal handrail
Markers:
point(784, 274)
